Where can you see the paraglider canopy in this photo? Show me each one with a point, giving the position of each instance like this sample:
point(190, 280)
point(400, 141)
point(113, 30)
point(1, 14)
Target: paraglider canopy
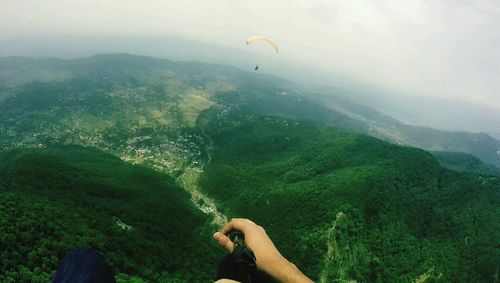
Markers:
point(256, 38)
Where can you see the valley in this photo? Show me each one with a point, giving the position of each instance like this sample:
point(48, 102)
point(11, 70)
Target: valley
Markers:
point(159, 146)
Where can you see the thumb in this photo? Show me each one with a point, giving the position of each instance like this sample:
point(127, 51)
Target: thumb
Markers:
point(224, 241)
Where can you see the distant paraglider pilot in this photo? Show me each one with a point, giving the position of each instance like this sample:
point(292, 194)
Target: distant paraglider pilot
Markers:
point(268, 41)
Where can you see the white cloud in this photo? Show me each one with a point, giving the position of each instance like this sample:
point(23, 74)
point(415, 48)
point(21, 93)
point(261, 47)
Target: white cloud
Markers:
point(432, 48)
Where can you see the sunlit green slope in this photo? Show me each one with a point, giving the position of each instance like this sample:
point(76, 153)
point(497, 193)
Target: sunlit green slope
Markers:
point(341, 205)
point(350, 207)
point(57, 199)
point(464, 162)
point(160, 92)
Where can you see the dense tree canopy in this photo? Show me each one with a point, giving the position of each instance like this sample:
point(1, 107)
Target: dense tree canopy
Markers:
point(347, 206)
point(341, 205)
point(58, 199)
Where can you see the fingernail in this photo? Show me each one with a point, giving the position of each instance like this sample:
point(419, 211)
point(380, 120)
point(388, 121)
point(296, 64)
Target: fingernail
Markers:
point(217, 236)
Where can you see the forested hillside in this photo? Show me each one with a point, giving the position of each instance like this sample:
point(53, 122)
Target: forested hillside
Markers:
point(143, 159)
point(350, 207)
point(262, 94)
point(463, 162)
point(55, 200)
point(387, 128)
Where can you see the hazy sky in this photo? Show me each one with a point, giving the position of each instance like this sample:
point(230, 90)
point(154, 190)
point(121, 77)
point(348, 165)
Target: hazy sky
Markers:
point(432, 48)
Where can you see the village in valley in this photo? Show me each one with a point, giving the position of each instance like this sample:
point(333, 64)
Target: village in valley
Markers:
point(140, 125)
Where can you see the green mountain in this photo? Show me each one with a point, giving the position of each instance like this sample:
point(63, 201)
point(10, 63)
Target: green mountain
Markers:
point(129, 141)
point(465, 163)
point(262, 94)
point(349, 207)
point(387, 128)
point(54, 200)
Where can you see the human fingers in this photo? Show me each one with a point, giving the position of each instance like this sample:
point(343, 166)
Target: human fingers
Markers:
point(226, 281)
point(224, 241)
point(240, 224)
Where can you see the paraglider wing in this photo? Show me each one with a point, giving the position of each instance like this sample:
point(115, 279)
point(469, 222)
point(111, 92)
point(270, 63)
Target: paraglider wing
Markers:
point(253, 39)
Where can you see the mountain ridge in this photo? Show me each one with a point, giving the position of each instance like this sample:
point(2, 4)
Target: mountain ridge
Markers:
point(323, 109)
point(254, 146)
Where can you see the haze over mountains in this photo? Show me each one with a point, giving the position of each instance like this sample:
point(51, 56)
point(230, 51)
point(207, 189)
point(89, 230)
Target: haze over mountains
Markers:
point(17, 71)
point(204, 143)
point(117, 148)
point(364, 136)
point(439, 113)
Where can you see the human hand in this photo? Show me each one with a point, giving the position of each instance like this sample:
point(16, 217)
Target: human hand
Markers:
point(268, 258)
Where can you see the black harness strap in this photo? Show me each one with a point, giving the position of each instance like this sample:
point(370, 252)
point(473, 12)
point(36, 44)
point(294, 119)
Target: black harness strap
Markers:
point(243, 257)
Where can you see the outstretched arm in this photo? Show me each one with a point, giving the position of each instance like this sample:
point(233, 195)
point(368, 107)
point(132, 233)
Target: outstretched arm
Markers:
point(268, 258)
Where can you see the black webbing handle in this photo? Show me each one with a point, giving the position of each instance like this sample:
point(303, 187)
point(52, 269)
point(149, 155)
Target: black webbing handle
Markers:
point(243, 256)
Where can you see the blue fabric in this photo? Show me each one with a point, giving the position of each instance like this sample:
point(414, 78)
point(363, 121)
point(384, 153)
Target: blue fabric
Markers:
point(84, 265)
